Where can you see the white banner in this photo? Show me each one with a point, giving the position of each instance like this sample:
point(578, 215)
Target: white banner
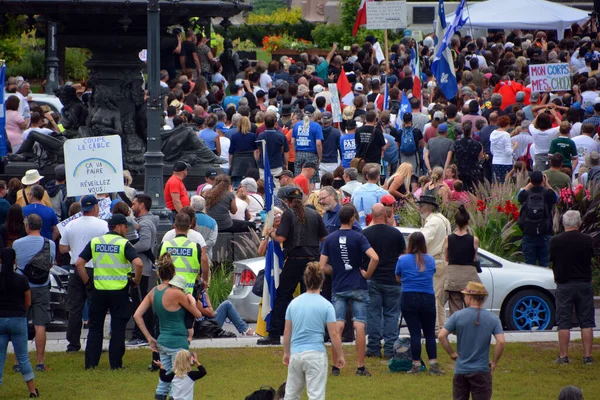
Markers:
point(336, 109)
point(550, 77)
point(62, 225)
point(386, 15)
point(94, 165)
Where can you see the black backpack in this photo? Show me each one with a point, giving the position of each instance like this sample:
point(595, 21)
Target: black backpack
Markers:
point(38, 268)
point(264, 393)
point(536, 215)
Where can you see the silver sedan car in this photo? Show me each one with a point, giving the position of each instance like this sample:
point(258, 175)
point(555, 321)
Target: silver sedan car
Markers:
point(521, 295)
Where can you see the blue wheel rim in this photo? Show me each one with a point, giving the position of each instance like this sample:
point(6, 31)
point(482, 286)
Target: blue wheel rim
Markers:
point(531, 313)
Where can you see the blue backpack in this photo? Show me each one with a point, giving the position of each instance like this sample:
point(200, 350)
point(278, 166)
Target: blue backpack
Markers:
point(407, 144)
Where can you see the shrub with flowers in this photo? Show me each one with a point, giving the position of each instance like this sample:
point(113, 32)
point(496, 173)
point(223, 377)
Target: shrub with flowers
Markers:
point(276, 42)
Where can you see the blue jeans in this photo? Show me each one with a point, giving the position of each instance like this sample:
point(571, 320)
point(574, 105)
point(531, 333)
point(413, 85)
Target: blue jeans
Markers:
point(360, 301)
point(537, 248)
point(418, 309)
point(227, 310)
point(167, 358)
point(382, 317)
point(15, 330)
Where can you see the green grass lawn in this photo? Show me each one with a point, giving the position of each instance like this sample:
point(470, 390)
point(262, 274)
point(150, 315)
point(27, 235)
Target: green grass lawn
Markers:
point(526, 371)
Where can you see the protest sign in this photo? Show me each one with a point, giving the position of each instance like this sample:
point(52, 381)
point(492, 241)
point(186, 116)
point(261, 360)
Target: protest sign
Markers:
point(386, 15)
point(94, 165)
point(62, 225)
point(550, 77)
point(336, 109)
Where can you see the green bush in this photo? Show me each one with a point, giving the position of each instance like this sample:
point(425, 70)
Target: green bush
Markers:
point(281, 16)
point(75, 70)
point(31, 65)
point(221, 282)
point(324, 35)
point(267, 7)
point(256, 33)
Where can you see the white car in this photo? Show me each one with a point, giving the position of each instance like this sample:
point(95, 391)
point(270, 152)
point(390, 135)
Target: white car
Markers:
point(42, 99)
point(522, 295)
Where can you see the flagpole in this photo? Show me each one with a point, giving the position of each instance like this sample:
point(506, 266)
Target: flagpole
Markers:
point(385, 42)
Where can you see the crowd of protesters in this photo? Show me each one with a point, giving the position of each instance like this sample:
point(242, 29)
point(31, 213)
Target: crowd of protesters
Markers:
point(338, 185)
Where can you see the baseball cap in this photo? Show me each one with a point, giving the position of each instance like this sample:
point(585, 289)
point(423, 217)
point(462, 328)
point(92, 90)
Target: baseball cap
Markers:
point(285, 172)
point(438, 115)
point(309, 110)
point(534, 96)
point(387, 200)
point(179, 166)
point(327, 116)
point(59, 172)
point(318, 89)
point(260, 93)
point(358, 87)
point(221, 126)
point(292, 192)
point(597, 100)
point(286, 110)
point(117, 219)
point(88, 202)
point(309, 164)
point(520, 96)
point(211, 173)
point(442, 128)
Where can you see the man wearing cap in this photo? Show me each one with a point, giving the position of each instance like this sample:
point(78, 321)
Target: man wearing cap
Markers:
point(176, 195)
point(331, 145)
point(594, 119)
point(309, 169)
point(519, 102)
point(76, 235)
point(431, 132)
point(57, 192)
point(535, 219)
point(209, 177)
point(32, 177)
point(534, 98)
point(276, 146)
point(301, 230)
point(474, 327)
point(437, 149)
point(435, 229)
point(307, 138)
point(113, 257)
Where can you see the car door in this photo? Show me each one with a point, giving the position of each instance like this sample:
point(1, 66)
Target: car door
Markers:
point(487, 278)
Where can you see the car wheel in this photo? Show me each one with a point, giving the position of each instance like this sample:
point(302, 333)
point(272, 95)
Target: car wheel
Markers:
point(529, 310)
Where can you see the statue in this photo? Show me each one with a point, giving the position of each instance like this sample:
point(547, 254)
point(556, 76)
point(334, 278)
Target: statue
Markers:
point(74, 113)
point(230, 61)
point(183, 144)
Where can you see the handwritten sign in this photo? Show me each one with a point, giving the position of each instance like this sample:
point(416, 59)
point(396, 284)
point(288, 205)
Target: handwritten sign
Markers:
point(336, 109)
point(62, 225)
point(94, 165)
point(386, 15)
point(550, 77)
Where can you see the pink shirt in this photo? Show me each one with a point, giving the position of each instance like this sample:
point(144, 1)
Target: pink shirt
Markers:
point(14, 133)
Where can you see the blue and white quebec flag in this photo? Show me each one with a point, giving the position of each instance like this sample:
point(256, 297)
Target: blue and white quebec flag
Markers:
point(443, 64)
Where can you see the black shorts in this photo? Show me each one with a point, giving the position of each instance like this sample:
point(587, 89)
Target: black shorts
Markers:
point(477, 386)
point(578, 295)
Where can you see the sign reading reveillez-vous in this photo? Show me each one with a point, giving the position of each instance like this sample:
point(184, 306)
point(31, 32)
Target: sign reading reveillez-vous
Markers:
point(386, 14)
point(94, 165)
point(550, 77)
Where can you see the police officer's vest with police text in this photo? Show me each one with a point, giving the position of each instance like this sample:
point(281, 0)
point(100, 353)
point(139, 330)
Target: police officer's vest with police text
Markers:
point(110, 265)
point(185, 258)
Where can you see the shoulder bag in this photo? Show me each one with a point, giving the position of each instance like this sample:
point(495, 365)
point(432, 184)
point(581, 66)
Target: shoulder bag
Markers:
point(359, 162)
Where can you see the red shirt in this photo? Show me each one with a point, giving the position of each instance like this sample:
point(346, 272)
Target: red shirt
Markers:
point(302, 183)
point(430, 133)
point(175, 185)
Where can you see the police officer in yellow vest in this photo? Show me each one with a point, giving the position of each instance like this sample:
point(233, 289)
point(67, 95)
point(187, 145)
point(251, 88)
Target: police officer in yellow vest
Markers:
point(113, 257)
point(187, 256)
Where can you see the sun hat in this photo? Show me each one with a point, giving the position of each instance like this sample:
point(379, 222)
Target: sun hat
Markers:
point(475, 289)
point(427, 199)
point(31, 177)
point(592, 159)
point(179, 282)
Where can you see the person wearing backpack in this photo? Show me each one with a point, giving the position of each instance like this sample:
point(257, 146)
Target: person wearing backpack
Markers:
point(535, 219)
point(57, 191)
point(35, 256)
point(410, 140)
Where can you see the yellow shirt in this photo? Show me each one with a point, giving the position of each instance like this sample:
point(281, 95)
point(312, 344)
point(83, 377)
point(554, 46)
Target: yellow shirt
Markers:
point(21, 201)
point(435, 230)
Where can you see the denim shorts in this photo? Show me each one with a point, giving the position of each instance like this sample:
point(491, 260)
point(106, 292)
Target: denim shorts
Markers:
point(360, 301)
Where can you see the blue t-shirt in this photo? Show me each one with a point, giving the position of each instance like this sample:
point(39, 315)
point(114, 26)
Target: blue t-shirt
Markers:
point(391, 153)
point(412, 279)
point(209, 136)
point(47, 214)
point(231, 100)
point(27, 247)
point(332, 222)
point(307, 141)
point(366, 196)
point(331, 144)
point(473, 341)
point(348, 148)
point(275, 142)
point(309, 314)
point(241, 142)
point(345, 249)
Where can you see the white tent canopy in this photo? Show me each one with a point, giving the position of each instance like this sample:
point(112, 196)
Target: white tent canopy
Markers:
point(521, 14)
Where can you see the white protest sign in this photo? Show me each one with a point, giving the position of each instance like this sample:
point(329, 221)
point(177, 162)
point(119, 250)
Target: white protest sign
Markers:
point(62, 225)
point(386, 15)
point(550, 77)
point(94, 165)
point(336, 109)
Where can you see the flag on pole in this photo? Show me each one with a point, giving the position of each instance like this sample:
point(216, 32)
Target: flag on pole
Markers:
point(439, 26)
point(3, 149)
point(345, 89)
point(386, 100)
point(415, 64)
point(404, 108)
point(274, 255)
point(361, 17)
point(443, 63)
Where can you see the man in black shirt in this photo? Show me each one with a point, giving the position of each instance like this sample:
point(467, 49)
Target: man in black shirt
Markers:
point(571, 254)
point(484, 139)
point(384, 290)
point(369, 140)
point(301, 231)
point(190, 53)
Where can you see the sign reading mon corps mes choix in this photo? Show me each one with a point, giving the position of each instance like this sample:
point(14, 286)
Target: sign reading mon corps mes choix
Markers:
point(550, 77)
point(94, 165)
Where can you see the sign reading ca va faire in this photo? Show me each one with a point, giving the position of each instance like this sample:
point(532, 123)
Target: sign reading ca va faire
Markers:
point(94, 165)
point(550, 77)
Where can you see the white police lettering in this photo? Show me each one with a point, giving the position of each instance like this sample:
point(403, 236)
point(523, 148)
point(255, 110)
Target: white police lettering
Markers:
point(303, 138)
point(107, 248)
point(344, 253)
point(180, 251)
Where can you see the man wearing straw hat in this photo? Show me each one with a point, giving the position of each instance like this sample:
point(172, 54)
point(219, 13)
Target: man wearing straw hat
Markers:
point(32, 177)
point(473, 327)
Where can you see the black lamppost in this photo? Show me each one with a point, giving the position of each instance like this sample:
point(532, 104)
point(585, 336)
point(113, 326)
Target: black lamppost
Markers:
point(51, 57)
point(153, 179)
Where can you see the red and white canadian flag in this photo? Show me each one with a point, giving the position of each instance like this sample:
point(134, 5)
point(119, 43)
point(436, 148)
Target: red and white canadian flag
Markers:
point(361, 17)
point(345, 89)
